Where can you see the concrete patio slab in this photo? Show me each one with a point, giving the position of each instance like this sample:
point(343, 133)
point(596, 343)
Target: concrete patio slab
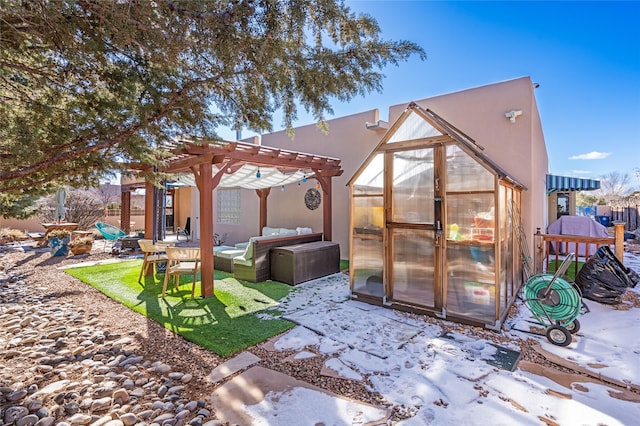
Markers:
point(260, 396)
point(380, 337)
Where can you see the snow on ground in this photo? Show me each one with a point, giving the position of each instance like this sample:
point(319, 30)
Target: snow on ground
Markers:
point(441, 380)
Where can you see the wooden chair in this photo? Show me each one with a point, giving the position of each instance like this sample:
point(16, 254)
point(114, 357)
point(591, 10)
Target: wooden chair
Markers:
point(182, 261)
point(153, 253)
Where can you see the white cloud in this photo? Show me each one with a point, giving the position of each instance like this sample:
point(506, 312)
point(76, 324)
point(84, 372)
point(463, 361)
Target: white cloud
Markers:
point(581, 172)
point(593, 155)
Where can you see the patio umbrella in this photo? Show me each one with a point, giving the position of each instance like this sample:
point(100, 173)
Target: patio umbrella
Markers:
point(60, 197)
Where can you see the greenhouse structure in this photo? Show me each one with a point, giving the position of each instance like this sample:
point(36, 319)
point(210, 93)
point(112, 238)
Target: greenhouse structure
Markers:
point(435, 225)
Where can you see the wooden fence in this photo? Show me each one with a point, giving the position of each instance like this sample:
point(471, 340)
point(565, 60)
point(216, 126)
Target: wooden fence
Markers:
point(134, 211)
point(553, 248)
point(628, 215)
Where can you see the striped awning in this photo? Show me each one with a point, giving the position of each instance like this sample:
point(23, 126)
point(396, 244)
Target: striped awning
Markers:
point(565, 183)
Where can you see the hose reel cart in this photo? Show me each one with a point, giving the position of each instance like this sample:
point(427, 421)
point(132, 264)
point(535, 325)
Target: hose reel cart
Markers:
point(555, 303)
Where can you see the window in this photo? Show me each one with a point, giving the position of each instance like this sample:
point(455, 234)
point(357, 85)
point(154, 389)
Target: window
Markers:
point(229, 206)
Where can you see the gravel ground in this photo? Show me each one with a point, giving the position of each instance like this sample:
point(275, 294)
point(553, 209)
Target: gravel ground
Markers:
point(155, 343)
point(152, 341)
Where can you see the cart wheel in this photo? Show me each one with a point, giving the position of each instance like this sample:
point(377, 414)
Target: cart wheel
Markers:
point(558, 335)
point(573, 327)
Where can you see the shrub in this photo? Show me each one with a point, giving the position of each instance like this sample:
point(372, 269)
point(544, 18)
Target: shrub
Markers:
point(81, 208)
point(81, 241)
point(8, 235)
point(61, 234)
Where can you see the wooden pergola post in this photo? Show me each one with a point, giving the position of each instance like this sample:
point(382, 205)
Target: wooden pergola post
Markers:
point(125, 210)
point(148, 217)
point(263, 194)
point(205, 185)
point(327, 225)
point(148, 209)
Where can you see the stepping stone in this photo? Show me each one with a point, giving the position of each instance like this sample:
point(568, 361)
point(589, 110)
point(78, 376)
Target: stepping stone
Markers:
point(235, 364)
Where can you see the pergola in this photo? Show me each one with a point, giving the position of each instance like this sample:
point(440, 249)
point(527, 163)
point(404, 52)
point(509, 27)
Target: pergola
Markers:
point(210, 161)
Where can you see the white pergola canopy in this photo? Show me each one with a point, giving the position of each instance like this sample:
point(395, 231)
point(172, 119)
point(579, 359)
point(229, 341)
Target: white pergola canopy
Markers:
point(250, 176)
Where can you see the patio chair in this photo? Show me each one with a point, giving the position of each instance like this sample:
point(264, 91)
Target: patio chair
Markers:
point(182, 261)
point(153, 253)
point(109, 232)
point(186, 231)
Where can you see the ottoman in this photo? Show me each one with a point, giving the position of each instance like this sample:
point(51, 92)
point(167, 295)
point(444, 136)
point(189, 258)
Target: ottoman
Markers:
point(303, 262)
point(223, 257)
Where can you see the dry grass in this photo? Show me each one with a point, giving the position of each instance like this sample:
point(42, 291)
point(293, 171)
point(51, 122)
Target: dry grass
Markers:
point(8, 235)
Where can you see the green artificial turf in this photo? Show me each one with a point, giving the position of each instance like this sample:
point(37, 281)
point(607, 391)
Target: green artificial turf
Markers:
point(570, 275)
point(344, 264)
point(231, 321)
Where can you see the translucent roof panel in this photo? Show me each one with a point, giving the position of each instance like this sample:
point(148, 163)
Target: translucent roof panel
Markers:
point(371, 180)
point(414, 127)
point(409, 165)
point(465, 173)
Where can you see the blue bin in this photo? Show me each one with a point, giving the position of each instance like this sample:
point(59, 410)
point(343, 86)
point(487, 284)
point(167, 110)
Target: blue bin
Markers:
point(604, 220)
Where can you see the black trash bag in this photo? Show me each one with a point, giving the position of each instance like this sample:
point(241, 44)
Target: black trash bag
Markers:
point(604, 278)
point(631, 277)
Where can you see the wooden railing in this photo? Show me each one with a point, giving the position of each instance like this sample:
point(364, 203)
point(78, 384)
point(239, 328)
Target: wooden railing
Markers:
point(553, 248)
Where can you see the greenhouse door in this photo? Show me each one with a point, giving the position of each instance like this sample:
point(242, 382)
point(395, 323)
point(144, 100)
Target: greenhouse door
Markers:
point(414, 228)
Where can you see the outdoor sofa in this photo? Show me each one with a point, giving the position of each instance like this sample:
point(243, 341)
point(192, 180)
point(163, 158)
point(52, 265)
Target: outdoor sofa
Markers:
point(254, 264)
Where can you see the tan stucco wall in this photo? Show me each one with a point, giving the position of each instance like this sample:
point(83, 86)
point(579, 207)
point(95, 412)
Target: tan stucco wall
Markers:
point(33, 224)
point(27, 225)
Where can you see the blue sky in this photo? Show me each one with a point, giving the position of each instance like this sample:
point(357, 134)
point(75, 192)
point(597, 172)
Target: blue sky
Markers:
point(584, 55)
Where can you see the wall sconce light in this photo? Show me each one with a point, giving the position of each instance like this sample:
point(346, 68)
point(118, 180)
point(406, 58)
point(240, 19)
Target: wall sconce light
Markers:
point(513, 114)
point(258, 173)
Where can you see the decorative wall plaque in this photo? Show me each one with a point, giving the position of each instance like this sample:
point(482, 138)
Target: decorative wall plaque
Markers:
point(312, 199)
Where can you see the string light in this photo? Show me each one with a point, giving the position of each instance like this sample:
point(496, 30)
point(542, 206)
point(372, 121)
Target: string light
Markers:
point(304, 179)
point(282, 188)
point(258, 173)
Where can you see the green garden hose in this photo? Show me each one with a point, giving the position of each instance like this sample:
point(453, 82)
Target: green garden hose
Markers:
point(562, 304)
